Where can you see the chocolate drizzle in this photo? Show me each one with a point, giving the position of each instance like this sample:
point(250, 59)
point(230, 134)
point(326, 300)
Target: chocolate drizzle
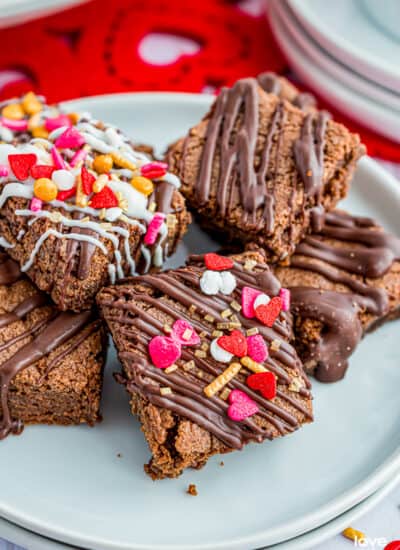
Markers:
point(231, 143)
point(46, 336)
point(370, 253)
point(272, 84)
point(133, 311)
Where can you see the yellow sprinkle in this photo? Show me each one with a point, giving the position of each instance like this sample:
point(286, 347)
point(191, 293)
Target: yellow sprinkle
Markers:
point(80, 198)
point(45, 189)
point(235, 305)
point(192, 308)
point(275, 345)
point(189, 365)
point(296, 384)
point(222, 380)
point(217, 333)
point(170, 369)
point(225, 394)
point(204, 346)
point(100, 183)
point(187, 334)
point(103, 213)
point(152, 207)
point(200, 353)
point(14, 111)
point(143, 185)
point(103, 164)
point(249, 265)
point(353, 534)
point(40, 132)
point(226, 313)
point(252, 365)
point(203, 334)
point(167, 329)
point(31, 104)
point(166, 391)
point(74, 117)
point(252, 331)
point(171, 220)
point(34, 121)
point(55, 217)
point(122, 162)
point(209, 318)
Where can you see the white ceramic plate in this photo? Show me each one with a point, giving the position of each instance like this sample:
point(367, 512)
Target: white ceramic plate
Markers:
point(13, 12)
point(345, 29)
point(69, 484)
point(33, 541)
point(346, 75)
point(357, 106)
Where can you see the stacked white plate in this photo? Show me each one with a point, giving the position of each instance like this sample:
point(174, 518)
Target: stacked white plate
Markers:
point(348, 52)
point(69, 485)
point(14, 12)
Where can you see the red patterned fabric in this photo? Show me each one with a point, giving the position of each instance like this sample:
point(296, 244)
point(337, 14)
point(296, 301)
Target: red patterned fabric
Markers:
point(95, 48)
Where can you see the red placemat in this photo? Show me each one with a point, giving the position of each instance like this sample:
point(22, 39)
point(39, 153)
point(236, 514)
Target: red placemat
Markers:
point(99, 47)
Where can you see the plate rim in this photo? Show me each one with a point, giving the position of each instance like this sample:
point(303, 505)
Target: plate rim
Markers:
point(340, 504)
point(383, 126)
point(340, 44)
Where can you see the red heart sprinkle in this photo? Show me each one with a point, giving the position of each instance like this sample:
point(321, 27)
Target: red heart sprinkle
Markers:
point(264, 382)
point(88, 180)
point(217, 263)
point(235, 343)
point(21, 164)
point(66, 194)
point(105, 199)
point(42, 171)
point(268, 314)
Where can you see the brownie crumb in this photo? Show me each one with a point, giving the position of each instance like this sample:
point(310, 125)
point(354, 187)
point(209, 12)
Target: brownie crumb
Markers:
point(222, 463)
point(192, 490)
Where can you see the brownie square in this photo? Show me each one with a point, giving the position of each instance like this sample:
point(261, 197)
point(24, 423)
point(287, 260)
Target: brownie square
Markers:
point(51, 362)
point(257, 168)
point(344, 281)
point(187, 403)
point(80, 207)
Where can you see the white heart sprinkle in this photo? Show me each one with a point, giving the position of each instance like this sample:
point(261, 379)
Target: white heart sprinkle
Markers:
point(210, 282)
point(261, 300)
point(228, 283)
point(218, 353)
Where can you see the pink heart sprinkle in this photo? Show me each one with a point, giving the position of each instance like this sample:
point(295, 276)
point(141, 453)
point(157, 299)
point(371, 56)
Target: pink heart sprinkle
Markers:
point(36, 204)
point(70, 139)
point(257, 348)
point(284, 294)
point(241, 406)
point(184, 333)
point(57, 122)
point(248, 298)
point(153, 228)
point(3, 171)
point(164, 351)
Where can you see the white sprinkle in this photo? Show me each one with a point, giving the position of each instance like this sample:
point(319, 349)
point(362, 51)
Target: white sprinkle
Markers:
point(210, 282)
point(228, 282)
point(218, 353)
point(261, 300)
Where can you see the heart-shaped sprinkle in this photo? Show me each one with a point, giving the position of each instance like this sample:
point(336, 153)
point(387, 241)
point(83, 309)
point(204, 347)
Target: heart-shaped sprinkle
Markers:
point(57, 122)
point(284, 294)
point(218, 353)
point(210, 282)
point(217, 263)
point(42, 171)
point(269, 313)
point(228, 283)
point(249, 296)
point(164, 351)
point(264, 382)
point(21, 164)
point(241, 406)
point(87, 180)
point(154, 170)
point(257, 348)
point(184, 333)
point(235, 343)
point(106, 198)
point(261, 300)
